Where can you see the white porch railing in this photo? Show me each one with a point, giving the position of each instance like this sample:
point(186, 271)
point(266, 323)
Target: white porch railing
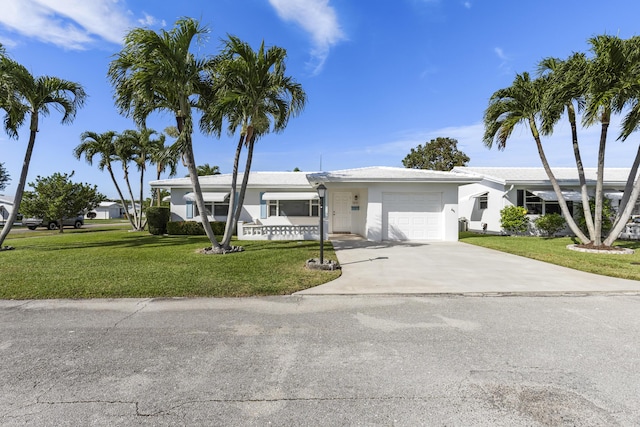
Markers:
point(250, 231)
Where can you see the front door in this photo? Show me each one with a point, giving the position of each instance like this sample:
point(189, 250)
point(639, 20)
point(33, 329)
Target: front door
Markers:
point(341, 212)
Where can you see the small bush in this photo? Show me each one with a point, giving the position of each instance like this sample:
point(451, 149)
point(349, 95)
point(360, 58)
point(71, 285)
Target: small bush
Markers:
point(513, 219)
point(550, 224)
point(157, 218)
point(608, 214)
point(192, 228)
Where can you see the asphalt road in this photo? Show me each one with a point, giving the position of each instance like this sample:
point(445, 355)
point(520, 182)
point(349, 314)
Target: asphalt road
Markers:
point(322, 360)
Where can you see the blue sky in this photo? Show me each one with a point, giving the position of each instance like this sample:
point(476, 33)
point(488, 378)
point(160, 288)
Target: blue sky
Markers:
point(381, 76)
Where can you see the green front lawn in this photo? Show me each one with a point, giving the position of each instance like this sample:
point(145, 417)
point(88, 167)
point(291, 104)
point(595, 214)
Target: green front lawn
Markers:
point(108, 263)
point(554, 251)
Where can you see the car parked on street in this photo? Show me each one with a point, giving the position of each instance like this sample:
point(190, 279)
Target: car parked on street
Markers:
point(33, 223)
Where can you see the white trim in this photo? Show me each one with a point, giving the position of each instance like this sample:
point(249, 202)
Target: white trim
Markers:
point(208, 197)
point(476, 195)
point(551, 196)
point(290, 196)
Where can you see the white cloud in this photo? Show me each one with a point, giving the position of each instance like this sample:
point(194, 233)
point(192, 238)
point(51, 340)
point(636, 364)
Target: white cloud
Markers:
point(147, 21)
point(467, 4)
point(318, 19)
point(500, 53)
point(72, 24)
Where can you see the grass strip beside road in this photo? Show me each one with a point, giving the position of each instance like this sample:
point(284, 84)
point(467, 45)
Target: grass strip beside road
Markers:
point(555, 251)
point(115, 263)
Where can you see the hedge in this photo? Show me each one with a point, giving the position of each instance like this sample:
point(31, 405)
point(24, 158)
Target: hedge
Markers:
point(192, 228)
point(157, 219)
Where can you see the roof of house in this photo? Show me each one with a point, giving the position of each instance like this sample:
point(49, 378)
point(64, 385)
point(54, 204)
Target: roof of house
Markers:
point(6, 200)
point(108, 204)
point(566, 176)
point(389, 174)
point(256, 179)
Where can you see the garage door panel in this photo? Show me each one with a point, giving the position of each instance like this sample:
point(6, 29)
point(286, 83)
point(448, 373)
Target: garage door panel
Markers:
point(412, 216)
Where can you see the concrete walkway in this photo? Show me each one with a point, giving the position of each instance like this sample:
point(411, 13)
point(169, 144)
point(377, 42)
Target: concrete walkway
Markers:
point(454, 268)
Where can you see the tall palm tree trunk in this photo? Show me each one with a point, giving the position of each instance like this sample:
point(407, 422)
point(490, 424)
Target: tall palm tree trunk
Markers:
point(133, 200)
point(600, 178)
point(584, 194)
point(245, 179)
point(195, 182)
point(140, 221)
point(233, 205)
point(556, 187)
point(17, 200)
point(124, 203)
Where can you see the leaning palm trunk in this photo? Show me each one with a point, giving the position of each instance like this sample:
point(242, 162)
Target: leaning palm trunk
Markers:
point(627, 204)
point(23, 179)
point(124, 203)
point(141, 223)
point(597, 238)
point(133, 200)
point(245, 180)
point(228, 228)
point(584, 194)
point(190, 162)
point(556, 187)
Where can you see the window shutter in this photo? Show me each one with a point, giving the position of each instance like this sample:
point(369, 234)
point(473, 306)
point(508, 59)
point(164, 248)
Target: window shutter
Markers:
point(263, 207)
point(189, 209)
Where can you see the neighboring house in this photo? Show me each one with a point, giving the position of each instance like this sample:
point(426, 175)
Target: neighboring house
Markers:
point(109, 210)
point(378, 203)
point(6, 206)
point(480, 203)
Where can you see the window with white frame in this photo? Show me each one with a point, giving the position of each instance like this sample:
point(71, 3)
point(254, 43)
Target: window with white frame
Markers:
point(483, 201)
point(294, 207)
point(537, 206)
point(218, 209)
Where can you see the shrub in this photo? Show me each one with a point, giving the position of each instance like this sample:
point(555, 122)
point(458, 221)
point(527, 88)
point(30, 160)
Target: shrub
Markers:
point(608, 214)
point(550, 224)
point(192, 228)
point(513, 219)
point(157, 218)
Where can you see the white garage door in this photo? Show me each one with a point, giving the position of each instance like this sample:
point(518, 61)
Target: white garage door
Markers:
point(412, 216)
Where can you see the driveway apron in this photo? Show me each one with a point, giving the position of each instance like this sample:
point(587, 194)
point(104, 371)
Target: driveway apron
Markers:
point(454, 268)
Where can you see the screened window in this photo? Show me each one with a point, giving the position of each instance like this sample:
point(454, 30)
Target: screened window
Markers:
point(483, 201)
point(294, 207)
point(218, 209)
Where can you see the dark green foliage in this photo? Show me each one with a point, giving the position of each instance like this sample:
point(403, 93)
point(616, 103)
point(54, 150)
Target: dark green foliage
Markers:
point(56, 197)
point(550, 224)
point(439, 154)
point(157, 219)
point(513, 219)
point(4, 177)
point(192, 228)
point(608, 214)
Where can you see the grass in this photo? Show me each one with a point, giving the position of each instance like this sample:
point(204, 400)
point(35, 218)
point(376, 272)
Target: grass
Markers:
point(115, 263)
point(554, 251)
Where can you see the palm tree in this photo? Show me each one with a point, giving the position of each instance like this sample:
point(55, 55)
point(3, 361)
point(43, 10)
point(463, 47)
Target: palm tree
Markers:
point(206, 169)
point(27, 97)
point(164, 157)
point(103, 145)
point(158, 72)
point(522, 103)
point(252, 93)
point(125, 153)
point(567, 94)
point(143, 146)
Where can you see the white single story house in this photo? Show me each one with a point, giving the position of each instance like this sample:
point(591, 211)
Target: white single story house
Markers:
point(480, 202)
point(378, 203)
point(109, 210)
point(6, 206)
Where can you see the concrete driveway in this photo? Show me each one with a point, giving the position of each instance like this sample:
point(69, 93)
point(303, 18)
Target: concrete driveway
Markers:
point(454, 268)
